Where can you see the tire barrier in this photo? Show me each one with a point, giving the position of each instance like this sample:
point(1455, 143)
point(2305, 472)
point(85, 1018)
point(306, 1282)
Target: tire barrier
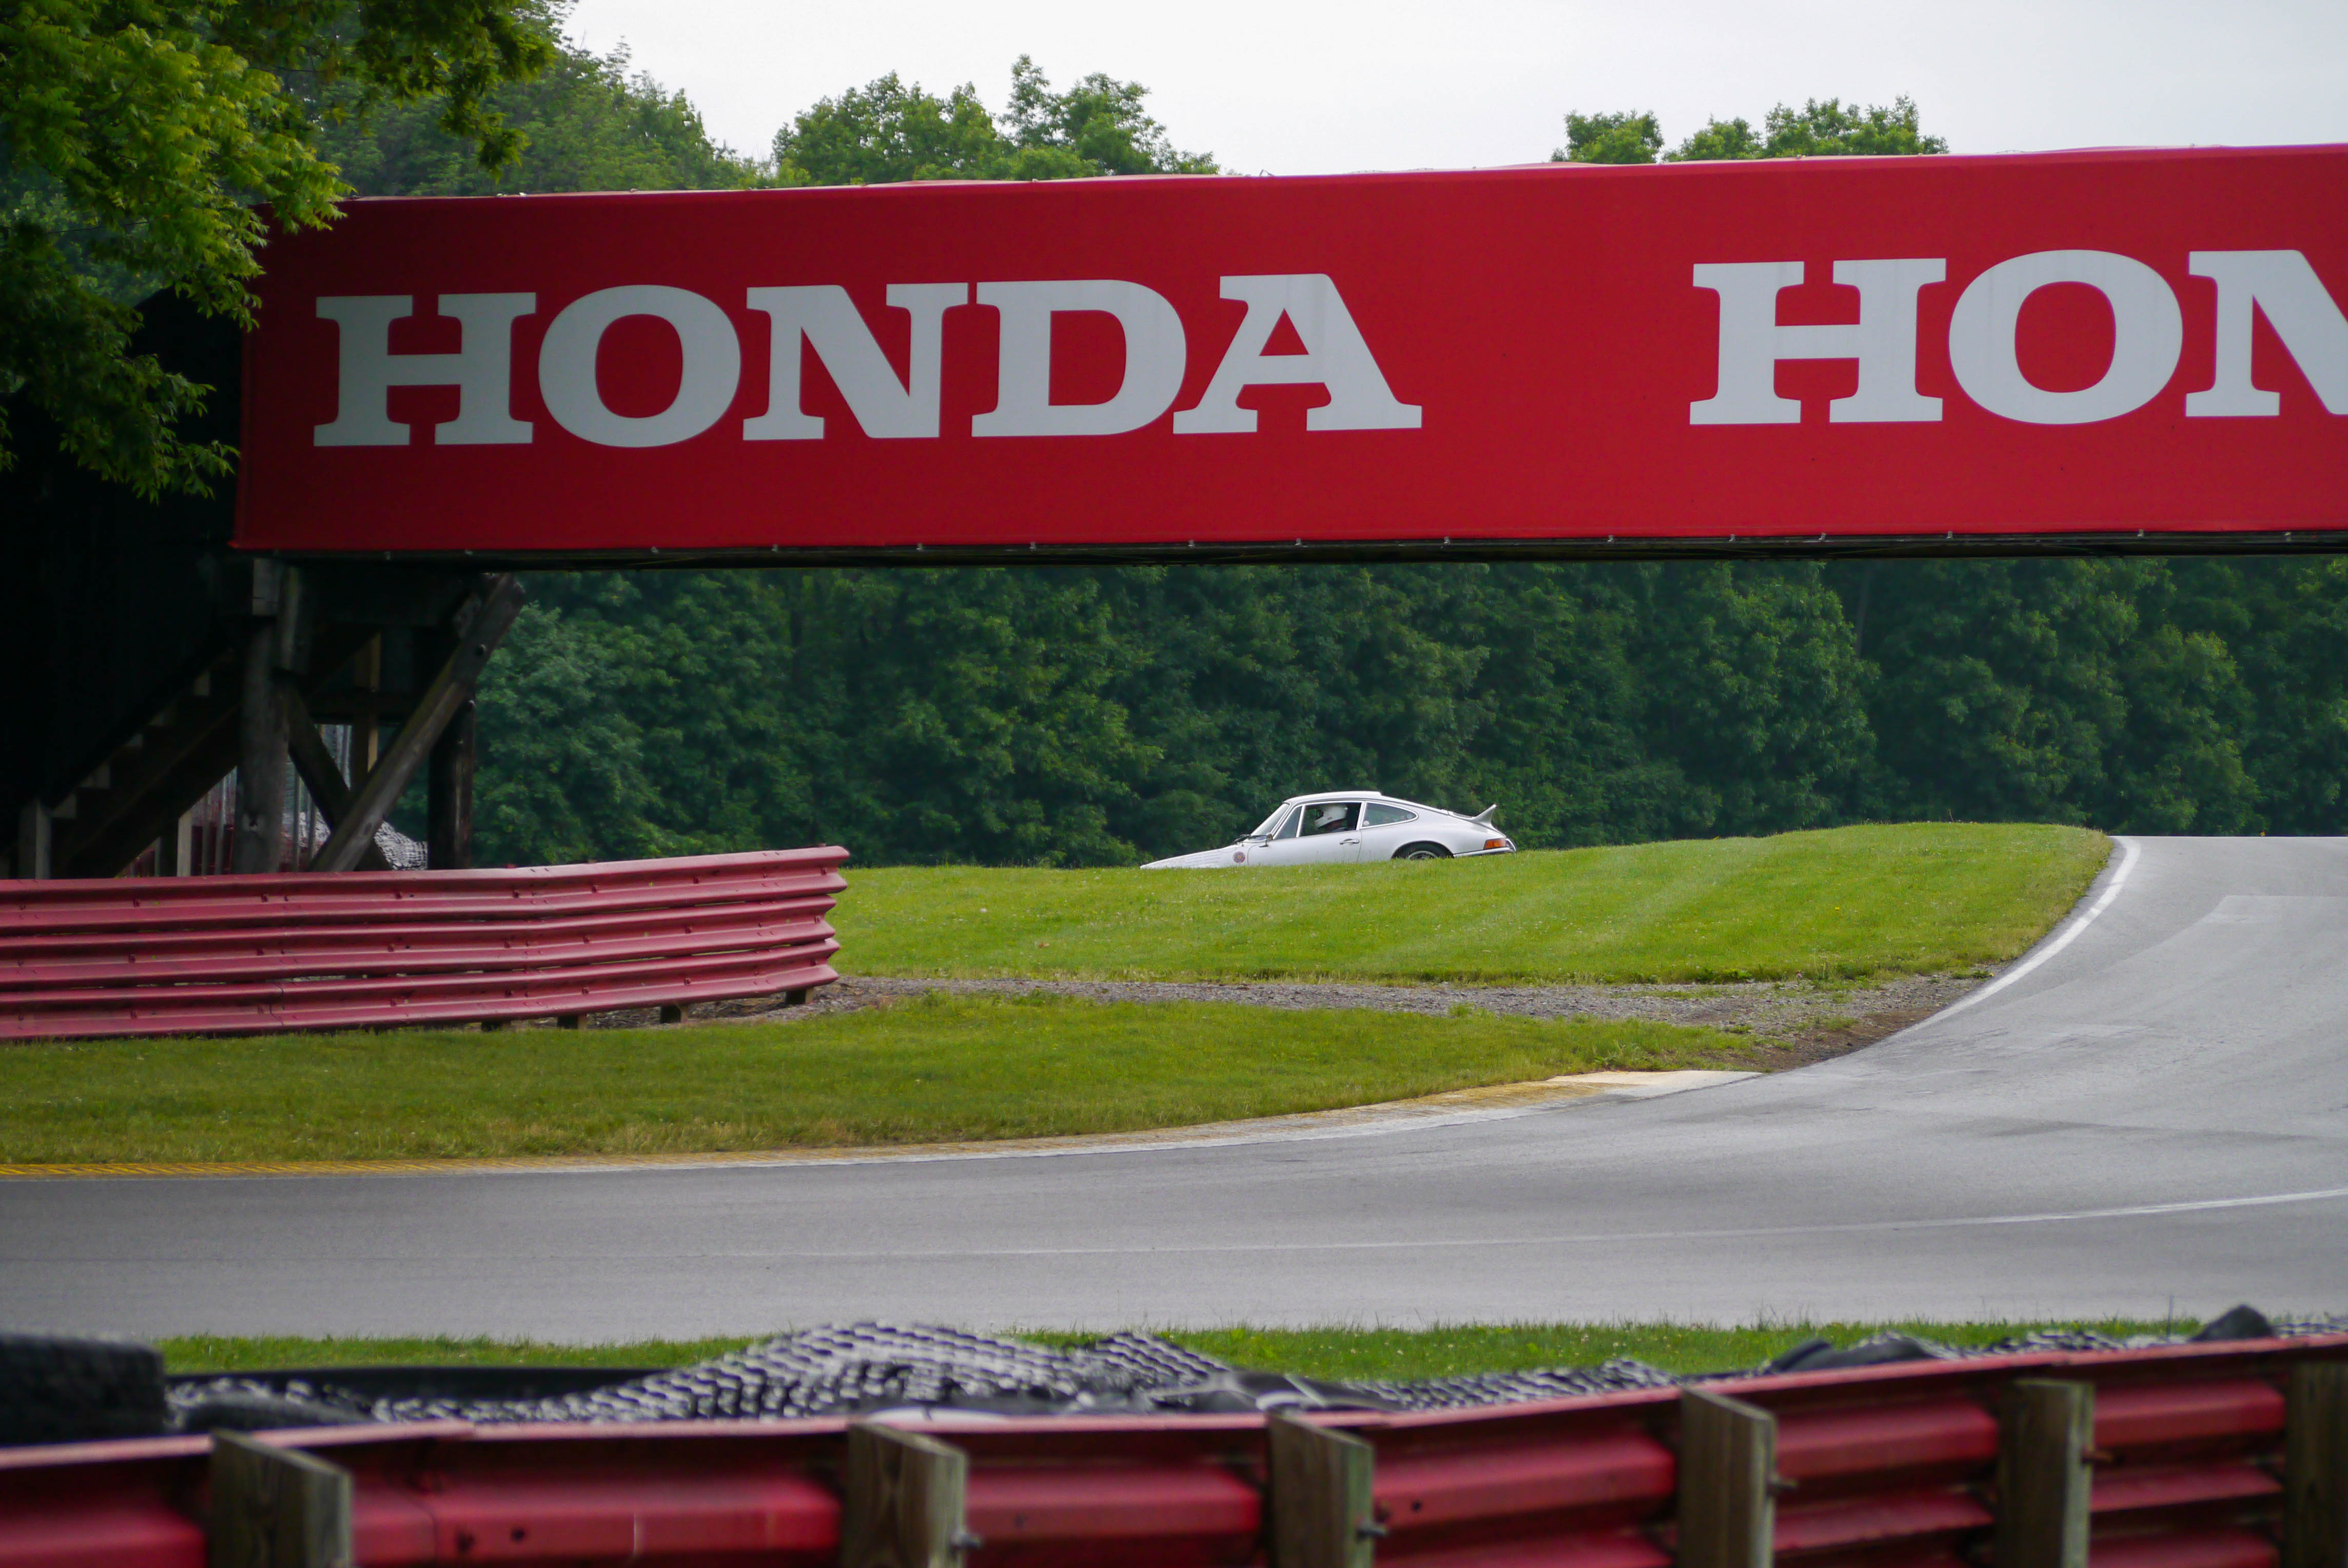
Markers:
point(254, 954)
point(2197, 1454)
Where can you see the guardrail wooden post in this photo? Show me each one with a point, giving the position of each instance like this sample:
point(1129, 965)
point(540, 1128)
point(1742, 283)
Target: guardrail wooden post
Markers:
point(2045, 1431)
point(2315, 1467)
point(1322, 1515)
point(1728, 1478)
point(275, 1507)
point(904, 1507)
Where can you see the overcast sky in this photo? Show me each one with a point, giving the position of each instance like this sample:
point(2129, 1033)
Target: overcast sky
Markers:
point(1306, 86)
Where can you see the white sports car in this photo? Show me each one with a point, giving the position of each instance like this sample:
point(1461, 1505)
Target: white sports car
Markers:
point(1345, 825)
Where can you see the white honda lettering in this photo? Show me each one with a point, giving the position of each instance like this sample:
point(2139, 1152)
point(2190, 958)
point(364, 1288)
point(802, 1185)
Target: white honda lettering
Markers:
point(709, 372)
point(1155, 356)
point(1883, 341)
point(1335, 357)
point(824, 316)
point(2301, 310)
point(2147, 335)
point(481, 370)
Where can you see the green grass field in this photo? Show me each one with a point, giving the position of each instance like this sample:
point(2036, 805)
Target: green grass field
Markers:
point(1840, 904)
point(932, 1069)
point(1440, 1351)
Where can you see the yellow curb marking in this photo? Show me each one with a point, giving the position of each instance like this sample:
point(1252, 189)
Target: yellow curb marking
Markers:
point(1491, 1096)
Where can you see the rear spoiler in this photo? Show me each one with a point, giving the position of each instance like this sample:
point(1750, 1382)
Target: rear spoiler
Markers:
point(1484, 816)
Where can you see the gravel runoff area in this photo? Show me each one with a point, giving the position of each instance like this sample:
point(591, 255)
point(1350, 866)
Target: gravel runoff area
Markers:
point(1784, 1023)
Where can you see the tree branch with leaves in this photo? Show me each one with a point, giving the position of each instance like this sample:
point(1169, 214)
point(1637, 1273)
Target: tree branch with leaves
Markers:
point(151, 144)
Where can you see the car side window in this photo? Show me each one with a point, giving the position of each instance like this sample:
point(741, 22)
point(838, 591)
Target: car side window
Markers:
point(1388, 816)
point(1287, 828)
point(1332, 816)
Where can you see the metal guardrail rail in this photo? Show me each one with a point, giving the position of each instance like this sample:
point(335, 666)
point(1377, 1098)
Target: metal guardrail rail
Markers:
point(245, 954)
point(2196, 1456)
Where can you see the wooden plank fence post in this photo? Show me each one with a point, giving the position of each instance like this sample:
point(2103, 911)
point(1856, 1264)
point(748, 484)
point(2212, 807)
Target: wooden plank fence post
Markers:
point(2315, 1467)
point(1728, 1475)
point(2046, 1429)
point(275, 1507)
point(1321, 1513)
point(904, 1507)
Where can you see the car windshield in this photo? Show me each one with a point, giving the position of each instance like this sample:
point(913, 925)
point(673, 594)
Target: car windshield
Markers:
point(1264, 829)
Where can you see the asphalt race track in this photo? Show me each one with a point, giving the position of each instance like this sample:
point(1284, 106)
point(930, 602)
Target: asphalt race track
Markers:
point(2148, 1114)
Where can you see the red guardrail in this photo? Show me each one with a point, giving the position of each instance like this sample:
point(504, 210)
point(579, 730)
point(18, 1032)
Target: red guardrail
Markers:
point(1896, 1467)
point(244, 954)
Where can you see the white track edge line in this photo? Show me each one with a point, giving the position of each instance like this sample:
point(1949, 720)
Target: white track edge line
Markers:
point(1450, 1244)
point(2061, 940)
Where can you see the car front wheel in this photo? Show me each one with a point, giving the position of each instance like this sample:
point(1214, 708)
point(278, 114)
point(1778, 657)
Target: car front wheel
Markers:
point(1422, 853)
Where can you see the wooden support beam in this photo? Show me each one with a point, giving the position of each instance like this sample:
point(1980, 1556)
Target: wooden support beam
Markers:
point(2046, 1428)
point(482, 626)
point(1321, 1511)
point(314, 761)
point(275, 1507)
point(2315, 1467)
point(324, 775)
point(34, 838)
point(366, 729)
point(903, 1504)
point(1728, 1482)
point(260, 759)
point(175, 847)
point(448, 795)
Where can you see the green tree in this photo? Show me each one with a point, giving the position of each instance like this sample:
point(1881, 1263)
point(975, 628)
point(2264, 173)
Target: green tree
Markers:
point(1818, 130)
point(886, 133)
point(1720, 140)
point(889, 131)
point(1622, 138)
point(1099, 121)
point(585, 124)
point(139, 138)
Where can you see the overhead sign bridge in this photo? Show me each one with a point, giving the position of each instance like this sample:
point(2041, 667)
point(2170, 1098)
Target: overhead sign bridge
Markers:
point(2090, 350)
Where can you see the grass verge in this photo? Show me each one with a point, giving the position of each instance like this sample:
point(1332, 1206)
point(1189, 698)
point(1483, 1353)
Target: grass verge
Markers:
point(1440, 1352)
point(1919, 898)
point(935, 1068)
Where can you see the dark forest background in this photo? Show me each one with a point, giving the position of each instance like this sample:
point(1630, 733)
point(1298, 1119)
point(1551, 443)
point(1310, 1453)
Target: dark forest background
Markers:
point(1092, 716)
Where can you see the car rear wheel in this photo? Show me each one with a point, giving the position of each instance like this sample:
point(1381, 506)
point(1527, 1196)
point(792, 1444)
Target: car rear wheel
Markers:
point(1422, 853)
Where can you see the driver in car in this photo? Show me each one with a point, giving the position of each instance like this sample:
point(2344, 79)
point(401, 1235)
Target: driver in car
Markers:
point(1331, 818)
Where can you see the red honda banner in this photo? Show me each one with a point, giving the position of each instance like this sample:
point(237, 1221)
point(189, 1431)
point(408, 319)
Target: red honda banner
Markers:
point(2091, 342)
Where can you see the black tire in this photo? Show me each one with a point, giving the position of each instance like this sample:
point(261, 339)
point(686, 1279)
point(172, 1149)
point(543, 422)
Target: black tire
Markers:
point(1422, 853)
point(254, 1411)
point(55, 1390)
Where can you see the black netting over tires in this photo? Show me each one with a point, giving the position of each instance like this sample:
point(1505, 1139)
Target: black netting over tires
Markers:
point(865, 1368)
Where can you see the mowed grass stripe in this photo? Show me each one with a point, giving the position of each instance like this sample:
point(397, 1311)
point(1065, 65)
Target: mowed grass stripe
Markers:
point(1842, 904)
point(1444, 1351)
point(935, 1068)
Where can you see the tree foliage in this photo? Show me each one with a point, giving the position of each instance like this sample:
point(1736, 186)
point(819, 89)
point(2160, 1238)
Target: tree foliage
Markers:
point(1073, 717)
point(889, 131)
point(1819, 128)
point(583, 123)
point(1623, 137)
point(139, 140)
